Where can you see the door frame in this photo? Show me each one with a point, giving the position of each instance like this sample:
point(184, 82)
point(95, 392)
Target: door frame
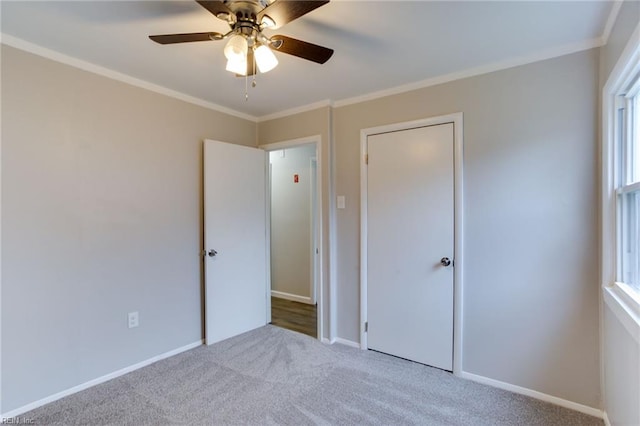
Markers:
point(316, 141)
point(457, 120)
point(315, 231)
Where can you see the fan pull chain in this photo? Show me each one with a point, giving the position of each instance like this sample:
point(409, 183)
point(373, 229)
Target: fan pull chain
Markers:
point(255, 71)
point(246, 81)
point(246, 85)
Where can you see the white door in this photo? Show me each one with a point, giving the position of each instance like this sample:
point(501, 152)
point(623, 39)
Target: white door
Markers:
point(234, 240)
point(410, 223)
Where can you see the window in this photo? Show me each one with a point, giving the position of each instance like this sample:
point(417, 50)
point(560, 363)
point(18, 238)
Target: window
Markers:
point(620, 266)
point(620, 191)
point(627, 180)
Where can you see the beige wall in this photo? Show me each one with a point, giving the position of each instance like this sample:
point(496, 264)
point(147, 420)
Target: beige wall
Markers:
point(101, 216)
point(621, 351)
point(530, 239)
point(101, 187)
point(309, 123)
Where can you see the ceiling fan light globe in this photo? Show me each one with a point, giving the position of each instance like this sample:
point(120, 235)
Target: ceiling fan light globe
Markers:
point(237, 65)
point(236, 48)
point(265, 59)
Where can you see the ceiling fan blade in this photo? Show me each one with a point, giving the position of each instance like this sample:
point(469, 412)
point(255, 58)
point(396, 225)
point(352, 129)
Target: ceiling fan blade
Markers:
point(301, 49)
point(284, 11)
point(185, 38)
point(217, 8)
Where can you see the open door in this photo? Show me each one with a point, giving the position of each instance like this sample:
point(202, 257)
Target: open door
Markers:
point(234, 240)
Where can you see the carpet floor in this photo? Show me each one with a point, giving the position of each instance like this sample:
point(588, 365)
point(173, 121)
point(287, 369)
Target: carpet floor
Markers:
point(272, 376)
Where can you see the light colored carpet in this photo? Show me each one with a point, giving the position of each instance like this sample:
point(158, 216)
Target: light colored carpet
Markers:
point(276, 376)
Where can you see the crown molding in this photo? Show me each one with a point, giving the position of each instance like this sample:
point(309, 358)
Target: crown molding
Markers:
point(472, 72)
point(296, 110)
point(115, 75)
point(611, 20)
point(445, 78)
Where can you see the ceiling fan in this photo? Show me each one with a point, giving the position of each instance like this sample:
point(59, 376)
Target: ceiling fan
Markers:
point(247, 45)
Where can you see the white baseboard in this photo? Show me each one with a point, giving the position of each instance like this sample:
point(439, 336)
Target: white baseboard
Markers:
point(534, 394)
point(607, 422)
point(97, 381)
point(341, 341)
point(347, 342)
point(293, 297)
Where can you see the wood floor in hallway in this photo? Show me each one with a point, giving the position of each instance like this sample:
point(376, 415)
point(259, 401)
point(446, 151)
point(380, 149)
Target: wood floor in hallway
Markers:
point(295, 316)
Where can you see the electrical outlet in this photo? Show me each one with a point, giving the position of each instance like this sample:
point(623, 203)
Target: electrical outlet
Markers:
point(133, 319)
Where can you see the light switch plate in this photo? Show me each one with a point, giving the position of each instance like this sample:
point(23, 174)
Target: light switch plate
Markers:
point(341, 202)
point(133, 319)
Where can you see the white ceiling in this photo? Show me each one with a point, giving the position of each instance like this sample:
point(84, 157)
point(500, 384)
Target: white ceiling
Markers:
point(378, 45)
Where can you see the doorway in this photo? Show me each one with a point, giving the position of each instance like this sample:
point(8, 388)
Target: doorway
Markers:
point(294, 236)
point(411, 204)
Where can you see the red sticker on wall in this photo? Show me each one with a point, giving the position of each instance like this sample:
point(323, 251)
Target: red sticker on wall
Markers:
point(295, 179)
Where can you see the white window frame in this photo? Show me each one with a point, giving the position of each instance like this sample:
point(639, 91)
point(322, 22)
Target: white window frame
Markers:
point(621, 298)
point(626, 177)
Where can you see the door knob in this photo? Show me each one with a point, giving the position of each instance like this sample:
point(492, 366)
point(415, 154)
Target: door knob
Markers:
point(212, 253)
point(445, 261)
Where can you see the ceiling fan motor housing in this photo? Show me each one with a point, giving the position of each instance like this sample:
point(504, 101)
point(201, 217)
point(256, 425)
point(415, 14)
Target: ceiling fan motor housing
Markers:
point(245, 18)
point(245, 10)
